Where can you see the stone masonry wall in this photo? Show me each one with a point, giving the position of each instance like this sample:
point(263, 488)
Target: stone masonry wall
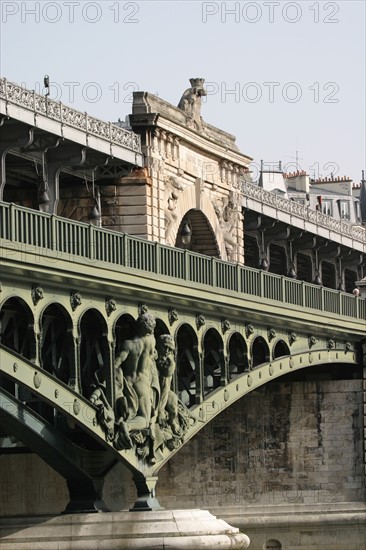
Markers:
point(289, 444)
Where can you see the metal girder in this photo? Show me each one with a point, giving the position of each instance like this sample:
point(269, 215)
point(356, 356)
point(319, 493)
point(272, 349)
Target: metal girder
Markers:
point(56, 450)
point(62, 398)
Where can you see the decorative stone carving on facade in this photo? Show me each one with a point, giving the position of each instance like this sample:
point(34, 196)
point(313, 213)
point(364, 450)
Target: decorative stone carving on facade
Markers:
point(249, 329)
point(191, 102)
point(173, 187)
point(110, 305)
point(37, 294)
point(226, 209)
point(292, 337)
point(172, 315)
point(225, 325)
point(142, 308)
point(271, 332)
point(331, 343)
point(200, 320)
point(148, 414)
point(105, 415)
point(347, 346)
point(75, 299)
point(312, 341)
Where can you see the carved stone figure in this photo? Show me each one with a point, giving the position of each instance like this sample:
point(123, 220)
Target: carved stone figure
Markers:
point(148, 414)
point(227, 213)
point(105, 415)
point(168, 404)
point(134, 390)
point(37, 294)
point(191, 103)
point(172, 189)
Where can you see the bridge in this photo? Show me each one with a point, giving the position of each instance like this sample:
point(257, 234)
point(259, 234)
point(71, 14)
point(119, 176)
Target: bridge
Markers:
point(120, 348)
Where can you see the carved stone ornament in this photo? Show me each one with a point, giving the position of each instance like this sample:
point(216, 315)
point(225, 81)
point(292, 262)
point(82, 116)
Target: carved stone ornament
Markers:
point(76, 407)
point(143, 308)
point(37, 294)
point(225, 325)
point(144, 371)
point(271, 333)
point(172, 315)
point(347, 346)
point(312, 341)
point(249, 329)
point(200, 320)
point(110, 305)
point(75, 299)
point(191, 102)
point(330, 343)
point(292, 337)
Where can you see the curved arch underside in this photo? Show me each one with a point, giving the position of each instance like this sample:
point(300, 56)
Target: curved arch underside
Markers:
point(74, 405)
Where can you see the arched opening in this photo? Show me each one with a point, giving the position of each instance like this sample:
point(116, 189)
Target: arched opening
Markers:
point(277, 260)
point(328, 275)
point(281, 349)
point(94, 352)
point(272, 544)
point(260, 352)
point(17, 334)
point(57, 350)
point(160, 328)
point(21, 190)
point(350, 279)
point(202, 238)
point(57, 342)
point(123, 330)
point(214, 364)
point(251, 252)
point(304, 267)
point(187, 365)
point(17, 328)
point(238, 355)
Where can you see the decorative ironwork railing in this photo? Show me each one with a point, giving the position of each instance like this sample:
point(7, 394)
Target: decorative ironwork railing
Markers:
point(45, 231)
point(13, 93)
point(251, 191)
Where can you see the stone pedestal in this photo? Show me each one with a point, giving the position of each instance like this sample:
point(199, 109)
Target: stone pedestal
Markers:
point(173, 529)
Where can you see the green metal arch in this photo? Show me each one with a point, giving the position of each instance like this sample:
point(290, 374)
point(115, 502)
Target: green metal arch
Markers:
point(84, 413)
point(223, 397)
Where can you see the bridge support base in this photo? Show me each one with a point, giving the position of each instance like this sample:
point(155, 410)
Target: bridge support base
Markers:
point(173, 529)
point(146, 499)
point(85, 496)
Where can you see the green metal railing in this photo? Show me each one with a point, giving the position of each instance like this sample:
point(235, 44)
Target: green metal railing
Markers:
point(80, 240)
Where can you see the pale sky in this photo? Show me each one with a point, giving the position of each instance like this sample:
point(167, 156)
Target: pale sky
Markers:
point(281, 76)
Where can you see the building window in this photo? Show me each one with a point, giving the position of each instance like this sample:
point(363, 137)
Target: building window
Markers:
point(358, 211)
point(327, 207)
point(344, 210)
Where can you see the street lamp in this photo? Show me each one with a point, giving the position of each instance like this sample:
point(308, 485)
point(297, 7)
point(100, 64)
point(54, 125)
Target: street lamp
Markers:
point(186, 232)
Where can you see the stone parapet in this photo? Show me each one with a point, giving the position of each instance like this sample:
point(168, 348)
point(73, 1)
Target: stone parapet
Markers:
point(319, 527)
point(174, 529)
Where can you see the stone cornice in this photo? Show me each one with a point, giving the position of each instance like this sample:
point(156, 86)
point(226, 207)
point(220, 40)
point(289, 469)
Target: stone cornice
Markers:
point(150, 110)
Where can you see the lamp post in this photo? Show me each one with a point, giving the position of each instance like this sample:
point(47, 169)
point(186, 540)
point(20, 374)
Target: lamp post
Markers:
point(186, 232)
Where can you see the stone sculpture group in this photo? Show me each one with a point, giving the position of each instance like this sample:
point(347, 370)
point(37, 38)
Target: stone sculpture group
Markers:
point(148, 415)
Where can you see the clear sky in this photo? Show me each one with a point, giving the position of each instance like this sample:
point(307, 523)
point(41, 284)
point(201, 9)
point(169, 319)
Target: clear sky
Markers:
point(281, 76)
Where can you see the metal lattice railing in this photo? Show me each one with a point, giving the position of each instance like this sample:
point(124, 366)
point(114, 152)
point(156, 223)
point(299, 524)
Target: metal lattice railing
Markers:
point(80, 240)
point(55, 110)
point(357, 233)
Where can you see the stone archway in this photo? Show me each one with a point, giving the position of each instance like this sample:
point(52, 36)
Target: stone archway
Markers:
point(216, 217)
point(203, 239)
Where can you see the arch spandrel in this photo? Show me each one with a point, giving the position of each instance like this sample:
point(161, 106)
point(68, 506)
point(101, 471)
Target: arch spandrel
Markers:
point(182, 200)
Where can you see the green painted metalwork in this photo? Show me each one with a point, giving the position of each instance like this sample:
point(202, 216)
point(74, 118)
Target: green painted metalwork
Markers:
point(79, 240)
point(83, 470)
point(83, 412)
